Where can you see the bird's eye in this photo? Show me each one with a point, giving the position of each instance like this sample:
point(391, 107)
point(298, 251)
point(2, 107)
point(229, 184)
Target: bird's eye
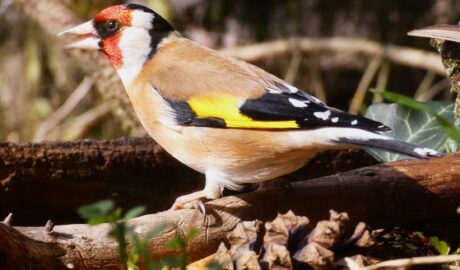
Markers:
point(112, 25)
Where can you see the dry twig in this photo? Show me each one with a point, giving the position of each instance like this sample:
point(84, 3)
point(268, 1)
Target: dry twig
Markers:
point(82, 124)
point(360, 93)
point(343, 45)
point(74, 99)
point(402, 263)
point(382, 81)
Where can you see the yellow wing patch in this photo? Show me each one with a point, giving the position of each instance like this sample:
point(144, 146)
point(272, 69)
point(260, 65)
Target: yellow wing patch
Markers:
point(226, 107)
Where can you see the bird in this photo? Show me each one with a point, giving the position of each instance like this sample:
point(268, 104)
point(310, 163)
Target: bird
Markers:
point(228, 119)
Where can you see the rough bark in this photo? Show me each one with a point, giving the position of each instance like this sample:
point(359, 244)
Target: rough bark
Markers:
point(41, 181)
point(401, 193)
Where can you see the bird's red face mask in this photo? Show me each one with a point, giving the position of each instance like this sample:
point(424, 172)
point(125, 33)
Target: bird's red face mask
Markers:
point(104, 32)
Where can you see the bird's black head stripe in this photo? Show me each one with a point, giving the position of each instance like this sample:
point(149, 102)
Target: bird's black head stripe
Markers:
point(139, 7)
point(160, 27)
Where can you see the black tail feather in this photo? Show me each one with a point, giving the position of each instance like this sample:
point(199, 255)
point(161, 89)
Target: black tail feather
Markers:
point(393, 146)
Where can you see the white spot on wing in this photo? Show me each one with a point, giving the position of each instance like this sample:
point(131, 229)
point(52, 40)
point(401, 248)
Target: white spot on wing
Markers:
point(354, 122)
point(426, 152)
point(323, 115)
point(335, 120)
point(297, 103)
point(274, 91)
point(291, 88)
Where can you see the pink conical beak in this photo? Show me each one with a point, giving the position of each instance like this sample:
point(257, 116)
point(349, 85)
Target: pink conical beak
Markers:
point(89, 38)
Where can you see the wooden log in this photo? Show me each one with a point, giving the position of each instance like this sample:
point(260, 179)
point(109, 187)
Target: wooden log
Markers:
point(401, 193)
point(41, 181)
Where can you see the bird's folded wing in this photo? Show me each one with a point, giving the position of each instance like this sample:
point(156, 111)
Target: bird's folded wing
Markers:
point(280, 107)
point(205, 88)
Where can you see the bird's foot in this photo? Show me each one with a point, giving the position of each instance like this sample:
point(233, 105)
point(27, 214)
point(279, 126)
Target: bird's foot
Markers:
point(191, 201)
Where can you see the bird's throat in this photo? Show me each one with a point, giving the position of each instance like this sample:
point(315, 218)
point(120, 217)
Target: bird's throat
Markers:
point(110, 46)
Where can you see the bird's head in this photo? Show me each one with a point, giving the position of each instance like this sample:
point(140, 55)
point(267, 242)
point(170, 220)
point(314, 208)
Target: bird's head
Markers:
point(128, 34)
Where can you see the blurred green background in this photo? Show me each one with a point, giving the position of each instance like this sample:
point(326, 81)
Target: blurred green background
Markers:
point(36, 78)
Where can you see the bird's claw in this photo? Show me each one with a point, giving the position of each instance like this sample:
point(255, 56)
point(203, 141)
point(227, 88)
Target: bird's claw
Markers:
point(184, 203)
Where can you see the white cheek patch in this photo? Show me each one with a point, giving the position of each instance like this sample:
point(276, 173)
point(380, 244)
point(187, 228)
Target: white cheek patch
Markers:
point(135, 47)
point(142, 19)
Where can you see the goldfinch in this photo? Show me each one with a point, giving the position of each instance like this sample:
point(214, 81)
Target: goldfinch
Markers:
point(225, 118)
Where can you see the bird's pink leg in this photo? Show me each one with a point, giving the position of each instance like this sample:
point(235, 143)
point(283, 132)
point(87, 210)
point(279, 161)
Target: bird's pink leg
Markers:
point(212, 190)
point(190, 201)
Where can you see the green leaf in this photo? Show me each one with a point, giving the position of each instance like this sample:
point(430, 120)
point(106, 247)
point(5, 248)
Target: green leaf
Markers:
point(214, 266)
point(441, 246)
point(96, 213)
point(192, 234)
point(136, 242)
point(176, 242)
point(134, 212)
point(171, 261)
point(116, 214)
point(413, 126)
point(400, 99)
point(451, 129)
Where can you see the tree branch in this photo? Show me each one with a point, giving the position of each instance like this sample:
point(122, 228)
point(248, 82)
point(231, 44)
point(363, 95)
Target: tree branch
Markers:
point(341, 46)
point(55, 118)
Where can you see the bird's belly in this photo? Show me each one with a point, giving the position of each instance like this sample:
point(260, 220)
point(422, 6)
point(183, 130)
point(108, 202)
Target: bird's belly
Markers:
point(239, 156)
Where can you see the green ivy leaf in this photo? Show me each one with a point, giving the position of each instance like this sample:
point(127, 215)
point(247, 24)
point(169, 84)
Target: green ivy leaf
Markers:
point(214, 266)
point(171, 261)
point(176, 242)
point(441, 246)
point(411, 125)
point(96, 213)
point(134, 212)
point(192, 234)
point(457, 251)
point(449, 128)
